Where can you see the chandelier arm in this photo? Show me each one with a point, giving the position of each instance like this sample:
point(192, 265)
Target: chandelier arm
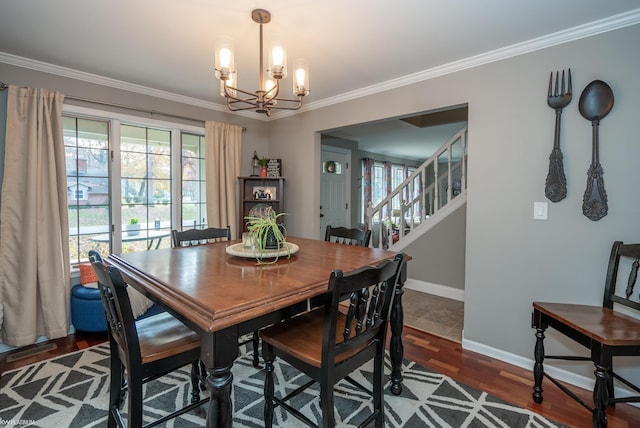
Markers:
point(229, 94)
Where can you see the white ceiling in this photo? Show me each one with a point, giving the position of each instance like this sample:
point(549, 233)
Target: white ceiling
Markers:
point(354, 47)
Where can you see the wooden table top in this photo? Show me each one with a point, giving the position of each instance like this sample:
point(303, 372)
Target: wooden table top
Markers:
point(214, 290)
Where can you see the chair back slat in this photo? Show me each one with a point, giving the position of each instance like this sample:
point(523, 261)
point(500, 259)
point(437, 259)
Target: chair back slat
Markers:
point(370, 291)
point(348, 236)
point(200, 236)
point(117, 307)
point(623, 257)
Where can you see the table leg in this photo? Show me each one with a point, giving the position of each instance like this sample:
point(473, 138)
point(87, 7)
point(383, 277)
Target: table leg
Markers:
point(396, 349)
point(218, 360)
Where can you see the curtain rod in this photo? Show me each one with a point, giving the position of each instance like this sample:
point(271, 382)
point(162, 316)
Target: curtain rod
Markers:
point(4, 86)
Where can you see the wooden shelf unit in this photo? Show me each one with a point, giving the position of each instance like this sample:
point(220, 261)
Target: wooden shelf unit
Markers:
point(273, 186)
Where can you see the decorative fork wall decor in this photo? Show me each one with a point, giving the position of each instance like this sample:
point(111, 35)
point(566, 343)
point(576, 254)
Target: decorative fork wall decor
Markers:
point(555, 188)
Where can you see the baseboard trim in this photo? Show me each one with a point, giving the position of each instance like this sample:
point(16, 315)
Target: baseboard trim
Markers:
point(435, 289)
point(562, 375)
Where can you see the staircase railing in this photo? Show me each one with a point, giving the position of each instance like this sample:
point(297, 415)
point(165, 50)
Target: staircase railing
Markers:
point(436, 182)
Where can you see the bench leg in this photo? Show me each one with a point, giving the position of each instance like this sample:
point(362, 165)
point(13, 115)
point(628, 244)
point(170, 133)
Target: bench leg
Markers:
point(538, 369)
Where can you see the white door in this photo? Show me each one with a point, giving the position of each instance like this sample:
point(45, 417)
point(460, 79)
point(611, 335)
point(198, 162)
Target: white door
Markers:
point(335, 188)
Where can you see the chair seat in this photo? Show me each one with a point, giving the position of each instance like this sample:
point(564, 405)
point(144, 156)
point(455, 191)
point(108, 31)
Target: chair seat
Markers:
point(600, 324)
point(298, 337)
point(162, 336)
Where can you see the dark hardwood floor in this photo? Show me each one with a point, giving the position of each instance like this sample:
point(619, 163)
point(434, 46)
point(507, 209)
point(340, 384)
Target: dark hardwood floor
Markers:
point(503, 380)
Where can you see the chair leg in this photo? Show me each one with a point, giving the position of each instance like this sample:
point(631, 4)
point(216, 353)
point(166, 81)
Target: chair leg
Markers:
point(378, 394)
point(255, 340)
point(326, 398)
point(115, 387)
point(538, 368)
point(600, 397)
point(195, 381)
point(268, 386)
point(134, 416)
point(203, 376)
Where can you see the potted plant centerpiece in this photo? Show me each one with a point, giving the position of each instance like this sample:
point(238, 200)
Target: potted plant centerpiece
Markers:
point(133, 228)
point(268, 235)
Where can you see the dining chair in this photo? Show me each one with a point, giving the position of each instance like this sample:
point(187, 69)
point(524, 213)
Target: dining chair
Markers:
point(328, 344)
point(200, 236)
point(206, 236)
point(344, 235)
point(145, 350)
point(610, 330)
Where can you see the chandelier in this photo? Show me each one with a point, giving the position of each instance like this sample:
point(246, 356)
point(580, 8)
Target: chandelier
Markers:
point(267, 96)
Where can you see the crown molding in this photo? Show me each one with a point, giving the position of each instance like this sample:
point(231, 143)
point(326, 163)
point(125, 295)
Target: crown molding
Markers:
point(604, 25)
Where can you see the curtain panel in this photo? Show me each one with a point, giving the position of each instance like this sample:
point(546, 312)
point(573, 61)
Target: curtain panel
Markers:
point(34, 226)
point(223, 144)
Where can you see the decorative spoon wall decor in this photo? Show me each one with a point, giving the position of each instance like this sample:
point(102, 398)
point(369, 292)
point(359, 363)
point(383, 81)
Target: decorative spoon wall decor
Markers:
point(595, 103)
point(555, 188)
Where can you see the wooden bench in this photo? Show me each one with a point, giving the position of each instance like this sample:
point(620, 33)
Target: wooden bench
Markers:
point(604, 330)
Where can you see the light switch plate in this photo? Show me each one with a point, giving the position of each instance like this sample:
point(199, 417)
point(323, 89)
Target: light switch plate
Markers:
point(540, 210)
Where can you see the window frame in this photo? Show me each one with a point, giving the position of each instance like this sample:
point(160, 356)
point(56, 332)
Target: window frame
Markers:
point(114, 121)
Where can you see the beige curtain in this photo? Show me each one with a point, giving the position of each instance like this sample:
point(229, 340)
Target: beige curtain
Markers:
point(34, 226)
point(223, 143)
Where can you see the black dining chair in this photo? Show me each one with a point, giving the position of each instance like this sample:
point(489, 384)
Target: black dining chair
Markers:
point(349, 236)
point(200, 236)
point(607, 331)
point(206, 236)
point(328, 344)
point(144, 350)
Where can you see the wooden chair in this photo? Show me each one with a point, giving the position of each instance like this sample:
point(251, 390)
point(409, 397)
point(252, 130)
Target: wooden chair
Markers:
point(200, 236)
point(144, 350)
point(327, 345)
point(604, 330)
point(344, 235)
point(205, 236)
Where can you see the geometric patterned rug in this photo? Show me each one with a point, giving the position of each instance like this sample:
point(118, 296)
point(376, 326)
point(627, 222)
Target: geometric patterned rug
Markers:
point(72, 391)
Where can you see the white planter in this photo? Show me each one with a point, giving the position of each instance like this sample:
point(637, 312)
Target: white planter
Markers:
point(133, 229)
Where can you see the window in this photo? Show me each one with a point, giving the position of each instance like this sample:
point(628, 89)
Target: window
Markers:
point(384, 175)
point(86, 144)
point(194, 207)
point(132, 201)
point(145, 178)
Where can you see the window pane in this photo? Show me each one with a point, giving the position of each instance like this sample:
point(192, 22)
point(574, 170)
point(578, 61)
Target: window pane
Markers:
point(87, 163)
point(146, 188)
point(193, 184)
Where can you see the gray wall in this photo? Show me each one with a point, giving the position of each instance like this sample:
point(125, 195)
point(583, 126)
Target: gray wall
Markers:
point(511, 260)
point(440, 252)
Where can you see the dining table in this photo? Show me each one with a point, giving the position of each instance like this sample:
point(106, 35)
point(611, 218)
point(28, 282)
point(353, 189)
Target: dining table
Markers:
point(224, 294)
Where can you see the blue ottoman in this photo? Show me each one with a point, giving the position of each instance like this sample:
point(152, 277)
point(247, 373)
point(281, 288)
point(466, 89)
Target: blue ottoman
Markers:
point(86, 309)
point(87, 313)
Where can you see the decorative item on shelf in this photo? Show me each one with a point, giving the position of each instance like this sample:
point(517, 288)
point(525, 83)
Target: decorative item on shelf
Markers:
point(267, 233)
point(596, 101)
point(263, 166)
point(255, 164)
point(274, 168)
point(266, 97)
point(133, 228)
point(264, 192)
